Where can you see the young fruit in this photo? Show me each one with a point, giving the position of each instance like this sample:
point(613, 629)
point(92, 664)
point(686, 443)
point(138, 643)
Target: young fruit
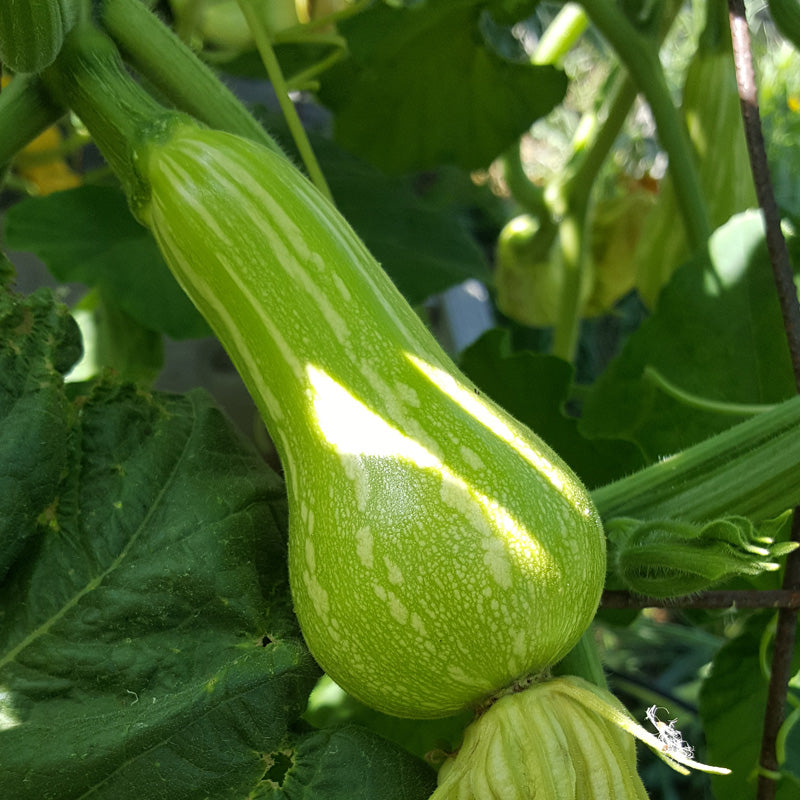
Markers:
point(438, 550)
point(528, 276)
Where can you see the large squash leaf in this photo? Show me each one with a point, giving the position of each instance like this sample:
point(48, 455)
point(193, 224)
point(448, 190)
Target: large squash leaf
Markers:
point(716, 338)
point(423, 86)
point(147, 644)
point(34, 412)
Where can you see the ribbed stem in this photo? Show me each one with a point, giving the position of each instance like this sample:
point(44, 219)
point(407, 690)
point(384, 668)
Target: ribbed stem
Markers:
point(750, 470)
point(176, 71)
point(90, 78)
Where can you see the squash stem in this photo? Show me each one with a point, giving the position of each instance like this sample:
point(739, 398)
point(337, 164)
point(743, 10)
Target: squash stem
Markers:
point(524, 191)
point(591, 151)
point(575, 264)
point(176, 71)
point(584, 661)
point(89, 77)
point(641, 59)
point(561, 34)
point(748, 470)
point(26, 110)
point(265, 49)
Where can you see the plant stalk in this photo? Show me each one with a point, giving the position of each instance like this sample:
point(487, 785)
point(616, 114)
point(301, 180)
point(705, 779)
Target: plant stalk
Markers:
point(561, 34)
point(571, 200)
point(575, 197)
point(175, 70)
point(785, 634)
point(751, 469)
point(89, 77)
point(715, 598)
point(26, 110)
point(641, 59)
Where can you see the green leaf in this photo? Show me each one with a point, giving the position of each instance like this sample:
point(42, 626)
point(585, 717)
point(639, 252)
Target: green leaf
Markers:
point(717, 335)
point(534, 388)
point(147, 646)
point(423, 87)
point(134, 352)
point(348, 762)
point(39, 342)
point(89, 236)
point(424, 249)
point(732, 703)
point(329, 705)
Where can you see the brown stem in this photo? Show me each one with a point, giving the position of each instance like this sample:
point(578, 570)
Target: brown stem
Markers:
point(787, 296)
point(776, 244)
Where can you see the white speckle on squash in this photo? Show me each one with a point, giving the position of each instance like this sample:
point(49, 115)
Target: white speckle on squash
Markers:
point(458, 675)
point(318, 595)
point(418, 625)
point(496, 560)
point(407, 395)
point(353, 469)
point(472, 458)
point(341, 288)
point(394, 573)
point(333, 630)
point(397, 609)
point(520, 644)
point(311, 559)
point(364, 547)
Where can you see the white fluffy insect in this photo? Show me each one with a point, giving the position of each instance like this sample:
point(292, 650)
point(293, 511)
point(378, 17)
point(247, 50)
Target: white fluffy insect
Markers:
point(672, 741)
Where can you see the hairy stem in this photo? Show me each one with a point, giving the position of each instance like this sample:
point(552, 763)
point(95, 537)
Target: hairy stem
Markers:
point(89, 77)
point(174, 69)
point(748, 470)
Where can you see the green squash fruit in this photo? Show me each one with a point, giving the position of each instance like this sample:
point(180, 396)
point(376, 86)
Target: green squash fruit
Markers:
point(438, 550)
point(529, 272)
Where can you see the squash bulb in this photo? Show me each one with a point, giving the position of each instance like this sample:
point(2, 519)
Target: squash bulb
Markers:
point(438, 549)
